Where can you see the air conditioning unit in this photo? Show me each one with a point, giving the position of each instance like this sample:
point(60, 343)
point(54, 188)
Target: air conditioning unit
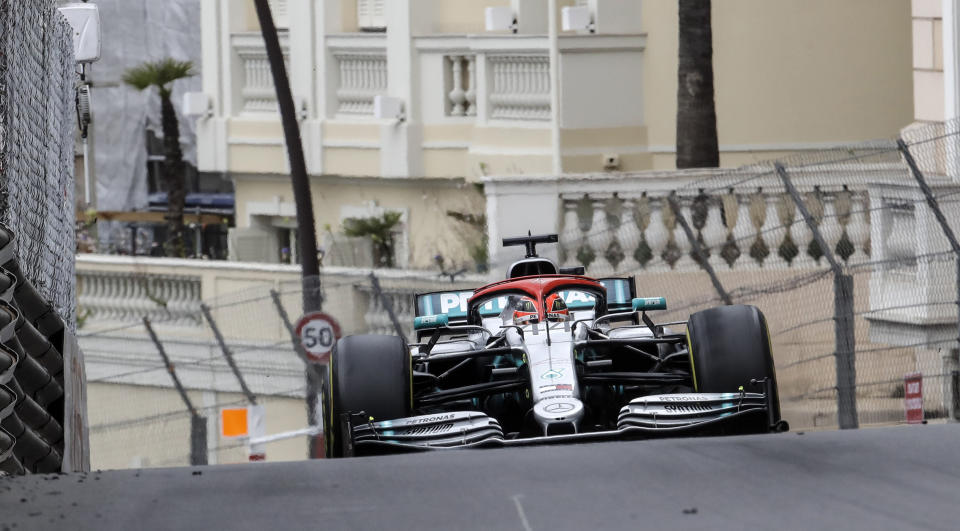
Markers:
point(387, 108)
point(196, 104)
point(500, 19)
point(577, 19)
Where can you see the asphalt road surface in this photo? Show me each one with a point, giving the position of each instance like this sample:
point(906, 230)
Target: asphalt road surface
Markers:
point(886, 478)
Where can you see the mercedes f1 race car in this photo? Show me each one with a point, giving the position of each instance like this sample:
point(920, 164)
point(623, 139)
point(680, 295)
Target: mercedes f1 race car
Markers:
point(549, 355)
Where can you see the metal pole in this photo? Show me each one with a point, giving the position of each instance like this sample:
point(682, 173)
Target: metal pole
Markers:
point(198, 423)
point(228, 355)
point(306, 228)
point(698, 253)
point(944, 226)
point(314, 374)
point(198, 440)
point(387, 305)
point(844, 339)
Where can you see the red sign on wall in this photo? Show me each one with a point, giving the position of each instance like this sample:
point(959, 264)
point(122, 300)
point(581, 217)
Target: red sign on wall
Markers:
point(913, 397)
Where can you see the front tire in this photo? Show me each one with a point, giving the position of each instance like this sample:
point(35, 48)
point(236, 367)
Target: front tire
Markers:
point(369, 374)
point(730, 346)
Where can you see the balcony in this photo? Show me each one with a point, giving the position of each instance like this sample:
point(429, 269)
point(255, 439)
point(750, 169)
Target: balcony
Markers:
point(474, 104)
point(254, 80)
point(622, 223)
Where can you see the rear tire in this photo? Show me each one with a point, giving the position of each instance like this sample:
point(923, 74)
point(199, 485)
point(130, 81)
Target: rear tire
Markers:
point(729, 346)
point(369, 374)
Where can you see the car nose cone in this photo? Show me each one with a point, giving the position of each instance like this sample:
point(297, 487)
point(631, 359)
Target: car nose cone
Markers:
point(551, 412)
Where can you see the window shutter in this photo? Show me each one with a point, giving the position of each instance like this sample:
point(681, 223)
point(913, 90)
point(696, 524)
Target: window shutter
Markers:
point(370, 14)
point(280, 18)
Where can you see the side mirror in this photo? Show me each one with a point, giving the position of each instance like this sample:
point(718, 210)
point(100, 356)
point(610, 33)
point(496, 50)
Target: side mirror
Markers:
point(643, 304)
point(85, 21)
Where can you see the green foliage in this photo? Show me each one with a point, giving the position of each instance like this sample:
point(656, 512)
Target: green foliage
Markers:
point(379, 230)
point(158, 74)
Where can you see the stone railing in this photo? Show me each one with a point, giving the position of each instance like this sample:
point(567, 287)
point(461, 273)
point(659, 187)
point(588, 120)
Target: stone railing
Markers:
point(362, 76)
point(256, 90)
point(520, 88)
point(170, 291)
point(127, 297)
point(376, 316)
point(738, 229)
point(361, 71)
point(623, 223)
point(462, 85)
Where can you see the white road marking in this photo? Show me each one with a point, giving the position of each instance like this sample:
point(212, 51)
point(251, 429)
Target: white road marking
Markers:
point(523, 515)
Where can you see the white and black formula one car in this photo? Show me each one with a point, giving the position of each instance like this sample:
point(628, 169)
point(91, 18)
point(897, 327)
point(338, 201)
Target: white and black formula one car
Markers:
point(549, 355)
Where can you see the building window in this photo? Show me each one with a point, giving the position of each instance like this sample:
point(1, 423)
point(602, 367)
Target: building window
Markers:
point(370, 15)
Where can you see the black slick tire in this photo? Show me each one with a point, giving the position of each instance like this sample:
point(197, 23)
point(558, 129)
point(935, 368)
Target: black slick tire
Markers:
point(730, 346)
point(369, 374)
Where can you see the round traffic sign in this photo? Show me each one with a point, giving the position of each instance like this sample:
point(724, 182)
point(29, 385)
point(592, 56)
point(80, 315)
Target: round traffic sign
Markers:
point(318, 332)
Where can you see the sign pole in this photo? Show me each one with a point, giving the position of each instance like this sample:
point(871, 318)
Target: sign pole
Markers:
point(314, 374)
point(316, 333)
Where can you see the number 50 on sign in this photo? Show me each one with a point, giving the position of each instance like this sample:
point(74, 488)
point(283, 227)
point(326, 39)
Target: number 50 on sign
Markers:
point(318, 332)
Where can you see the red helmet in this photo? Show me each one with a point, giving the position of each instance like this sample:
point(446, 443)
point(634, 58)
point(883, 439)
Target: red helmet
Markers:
point(556, 308)
point(525, 311)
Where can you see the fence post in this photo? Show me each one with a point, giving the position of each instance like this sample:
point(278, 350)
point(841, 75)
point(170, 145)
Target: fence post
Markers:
point(228, 355)
point(698, 253)
point(387, 305)
point(198, 424)
point(315, 377)
point(954, 246)
point(844, 339)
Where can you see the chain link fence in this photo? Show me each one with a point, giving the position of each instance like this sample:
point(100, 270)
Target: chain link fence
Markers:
point(847, 254)
point(229, 351)
point(37, 144)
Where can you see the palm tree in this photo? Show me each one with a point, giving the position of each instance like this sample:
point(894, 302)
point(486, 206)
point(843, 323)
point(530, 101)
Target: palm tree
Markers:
point(696, 113)
point(162, 74)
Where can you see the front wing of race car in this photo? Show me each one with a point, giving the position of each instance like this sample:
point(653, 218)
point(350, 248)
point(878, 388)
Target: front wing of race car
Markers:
point(644, 417)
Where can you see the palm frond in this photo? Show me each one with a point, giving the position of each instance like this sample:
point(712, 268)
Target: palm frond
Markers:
point(158, 74)
point(377, 228)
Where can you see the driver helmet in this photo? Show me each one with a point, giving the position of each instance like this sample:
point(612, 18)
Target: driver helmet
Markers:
point(557, 309)
point(525, 312)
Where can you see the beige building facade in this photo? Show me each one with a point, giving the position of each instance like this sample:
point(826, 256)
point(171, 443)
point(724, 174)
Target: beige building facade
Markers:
point(790, 77)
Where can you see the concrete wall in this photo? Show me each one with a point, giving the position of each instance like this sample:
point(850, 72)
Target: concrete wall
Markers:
point(788, 75)
point(427, 229)
point(136, 426)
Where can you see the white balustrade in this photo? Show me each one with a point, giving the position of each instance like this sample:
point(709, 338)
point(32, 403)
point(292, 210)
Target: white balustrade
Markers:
point(762, 229)
point(462, 90)
point(714, 235)
point(257, 92)
point(376, 316)
point(362, 76)
point(859, 230)
point(773, 234)
point(520, 89)
point(128, 297)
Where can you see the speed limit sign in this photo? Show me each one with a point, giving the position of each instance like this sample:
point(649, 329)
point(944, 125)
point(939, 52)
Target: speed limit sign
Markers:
point(318, 332)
